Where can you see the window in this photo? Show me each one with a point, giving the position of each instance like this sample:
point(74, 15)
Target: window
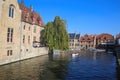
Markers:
point(72, 44)
point(9, 52)
point(23, 38)
point(34, 29)
point(24, 27)
point(28, 39)
point(34, 38)
point(27, 50)
point(72, 40)
point(29, 28)
point(11, 11)
point(10, 35)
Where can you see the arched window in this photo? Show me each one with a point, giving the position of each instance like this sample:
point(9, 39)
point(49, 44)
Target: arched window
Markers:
point(11, 11)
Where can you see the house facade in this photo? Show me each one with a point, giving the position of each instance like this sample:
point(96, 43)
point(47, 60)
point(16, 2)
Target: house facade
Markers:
point(90, 41)
point(118, 39)
point(74, 43)
point(20, 28)
point(87, 41)
point(103, 39)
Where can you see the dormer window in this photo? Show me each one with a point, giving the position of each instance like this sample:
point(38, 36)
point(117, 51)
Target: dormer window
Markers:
point(11, 11)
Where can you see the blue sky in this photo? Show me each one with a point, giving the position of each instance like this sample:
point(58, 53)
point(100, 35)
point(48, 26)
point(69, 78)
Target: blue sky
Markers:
point(82, 16)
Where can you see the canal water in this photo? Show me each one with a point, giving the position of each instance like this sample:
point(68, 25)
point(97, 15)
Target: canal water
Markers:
point(84, 66)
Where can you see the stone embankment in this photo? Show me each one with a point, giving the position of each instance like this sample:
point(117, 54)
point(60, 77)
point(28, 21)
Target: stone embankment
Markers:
point(118, 55)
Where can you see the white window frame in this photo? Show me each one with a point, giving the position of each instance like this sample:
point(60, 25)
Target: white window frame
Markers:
point(10, 35)
point(11, 11)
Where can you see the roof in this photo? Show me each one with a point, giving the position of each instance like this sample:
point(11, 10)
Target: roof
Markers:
point(77, 36)
point(87, 38)
point(28, 15)
point(74, 36)
point(105, 36)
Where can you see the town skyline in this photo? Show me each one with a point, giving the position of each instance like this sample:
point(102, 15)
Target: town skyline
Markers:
point(82, 16)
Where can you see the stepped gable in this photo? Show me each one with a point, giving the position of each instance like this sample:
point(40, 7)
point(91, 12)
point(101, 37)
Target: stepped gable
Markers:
point(28, 15)
point(87, 38)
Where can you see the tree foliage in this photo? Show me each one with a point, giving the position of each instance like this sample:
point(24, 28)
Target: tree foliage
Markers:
point(55, 34)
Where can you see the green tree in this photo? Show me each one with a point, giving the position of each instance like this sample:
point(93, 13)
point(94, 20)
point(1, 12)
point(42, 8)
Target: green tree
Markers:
point(55, 34)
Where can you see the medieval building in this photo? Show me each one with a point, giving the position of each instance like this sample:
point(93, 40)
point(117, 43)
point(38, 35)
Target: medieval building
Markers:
point(74, 41)
point(90, 41)
point(103, 39)
point(87, 41)
point(20, 32)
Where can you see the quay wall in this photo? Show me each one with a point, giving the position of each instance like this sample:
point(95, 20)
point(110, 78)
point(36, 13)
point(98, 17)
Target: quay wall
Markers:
point(34, 53)
point(118, 55)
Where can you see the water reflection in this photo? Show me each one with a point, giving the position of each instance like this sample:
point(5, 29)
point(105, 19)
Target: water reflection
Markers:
point(92, 66)
point(56, 68)
point(84, 66)
point(25, 70)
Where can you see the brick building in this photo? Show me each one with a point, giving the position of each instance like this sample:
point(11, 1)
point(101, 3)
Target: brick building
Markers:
point(20, 28)
point(87, 41)
point(104, 38)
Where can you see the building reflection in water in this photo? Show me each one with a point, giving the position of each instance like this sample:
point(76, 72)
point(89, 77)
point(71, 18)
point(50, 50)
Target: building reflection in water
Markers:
point(40, 68)
point(24, 70)
point(63, 67)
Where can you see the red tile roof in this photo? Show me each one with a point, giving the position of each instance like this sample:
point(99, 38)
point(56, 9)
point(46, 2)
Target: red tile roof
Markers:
point(87, 38)
point(105, 36)
point(28, 15)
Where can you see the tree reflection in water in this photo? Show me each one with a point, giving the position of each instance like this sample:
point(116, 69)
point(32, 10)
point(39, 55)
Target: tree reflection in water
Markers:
point(56, 68)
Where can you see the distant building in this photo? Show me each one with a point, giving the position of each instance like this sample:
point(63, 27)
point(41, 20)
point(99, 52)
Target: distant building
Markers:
point(103, 39)
point(87, 41)
point(118, 39)
point(74, 43)
point(90, 41)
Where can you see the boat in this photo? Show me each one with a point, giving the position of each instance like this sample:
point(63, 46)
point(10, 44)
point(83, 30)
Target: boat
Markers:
point(74, 54)
point(100, 50)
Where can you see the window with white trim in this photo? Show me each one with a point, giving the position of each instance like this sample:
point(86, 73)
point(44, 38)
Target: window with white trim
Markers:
point(28, 39)
point(11, 11)
point(34, 29)
point(9, 52)
point(10, 35)
point(23, 38)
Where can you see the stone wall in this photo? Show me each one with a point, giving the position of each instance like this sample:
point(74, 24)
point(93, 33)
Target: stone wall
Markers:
point(8, 22)
point(20, 51)
point(0, 10)
point(35, 52)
